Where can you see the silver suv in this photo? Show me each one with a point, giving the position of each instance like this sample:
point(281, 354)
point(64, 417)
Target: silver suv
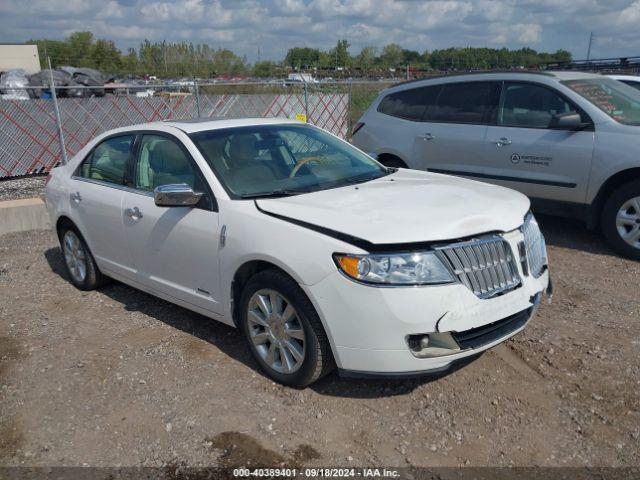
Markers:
point(568, 140)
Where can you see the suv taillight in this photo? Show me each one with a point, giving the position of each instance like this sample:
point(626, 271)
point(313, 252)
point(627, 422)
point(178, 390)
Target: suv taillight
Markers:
point(357, 127)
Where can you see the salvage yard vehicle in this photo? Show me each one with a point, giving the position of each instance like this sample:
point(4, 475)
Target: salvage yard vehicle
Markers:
point(322, 256)
point(568, 140)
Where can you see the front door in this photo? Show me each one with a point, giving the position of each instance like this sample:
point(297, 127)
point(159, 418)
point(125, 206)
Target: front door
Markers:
point(96, 195)
point(523, 153)
point(175, 249)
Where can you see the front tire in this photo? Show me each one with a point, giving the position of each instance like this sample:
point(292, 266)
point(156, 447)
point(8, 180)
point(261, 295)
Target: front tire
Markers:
point(81, 266)
point(620, 220)
point(283, 330)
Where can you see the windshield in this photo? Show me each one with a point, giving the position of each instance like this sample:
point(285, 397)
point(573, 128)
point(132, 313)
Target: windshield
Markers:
point(618, 100)
point(276, 160)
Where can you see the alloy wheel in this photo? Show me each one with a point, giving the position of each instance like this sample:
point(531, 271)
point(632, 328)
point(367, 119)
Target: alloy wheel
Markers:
point(74, 256)
point(628, 222)
point(276, 331)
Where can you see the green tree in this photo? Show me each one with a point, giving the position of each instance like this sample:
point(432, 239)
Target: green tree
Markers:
point(367, 57)
point(264, 69)
point(340, 54)
point(81, 49)
point(392, 55)
point(302, 57)
point(105, 56)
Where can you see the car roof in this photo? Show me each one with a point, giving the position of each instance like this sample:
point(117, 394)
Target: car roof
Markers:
point(502, 75)
point(192, 125)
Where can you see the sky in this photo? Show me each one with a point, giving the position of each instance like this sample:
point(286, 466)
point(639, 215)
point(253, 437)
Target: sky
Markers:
point(272, 26)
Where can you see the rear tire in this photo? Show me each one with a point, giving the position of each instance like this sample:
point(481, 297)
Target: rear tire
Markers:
point(283, 330)
point(620, 220)
point(81, 266)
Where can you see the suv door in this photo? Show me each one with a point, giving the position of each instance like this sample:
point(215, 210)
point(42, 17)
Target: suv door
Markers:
point(97, 187)
point(397, 123)
point(524, 153)
point(174, 249)
point(454, 126)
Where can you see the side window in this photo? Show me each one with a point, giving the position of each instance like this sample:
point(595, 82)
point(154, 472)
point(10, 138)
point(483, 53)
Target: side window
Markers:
point(162, 161)
point(470, 102)
point(530, 106)
point(108, 161)
point(409, 104)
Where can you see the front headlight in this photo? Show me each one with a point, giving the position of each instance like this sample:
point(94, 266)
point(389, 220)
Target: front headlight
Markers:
point(411, 268)
point(536, 247)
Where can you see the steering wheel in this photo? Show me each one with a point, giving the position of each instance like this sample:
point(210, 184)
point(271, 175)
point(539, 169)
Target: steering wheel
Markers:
point(302, 163)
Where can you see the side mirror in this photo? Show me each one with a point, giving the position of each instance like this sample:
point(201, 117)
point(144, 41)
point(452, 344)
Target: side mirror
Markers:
point(566, 121)
point(176, 195)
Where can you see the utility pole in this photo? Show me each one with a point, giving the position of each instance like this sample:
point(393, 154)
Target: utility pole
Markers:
point(589, 49)
point(164, 56)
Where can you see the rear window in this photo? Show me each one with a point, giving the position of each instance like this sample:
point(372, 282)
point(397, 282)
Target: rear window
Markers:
point(409, 104)
point(107, 162)
point(470, 102)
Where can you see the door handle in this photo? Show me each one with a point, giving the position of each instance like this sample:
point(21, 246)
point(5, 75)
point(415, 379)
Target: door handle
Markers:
point(502, 142)
point(427, 136)
point(134, 213)
point(76, 197)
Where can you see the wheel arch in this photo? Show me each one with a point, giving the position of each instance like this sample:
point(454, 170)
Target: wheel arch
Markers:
point(613, 182)
point(243, 274)
point(387, 156)
point(65, 222)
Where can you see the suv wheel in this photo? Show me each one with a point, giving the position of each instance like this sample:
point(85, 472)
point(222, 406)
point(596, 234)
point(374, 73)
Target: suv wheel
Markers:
point(621, 220)
point(283, 330)
point(81, 266)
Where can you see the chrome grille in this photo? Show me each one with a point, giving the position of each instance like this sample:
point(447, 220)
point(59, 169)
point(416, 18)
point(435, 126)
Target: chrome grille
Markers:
point(534, 245)
point(486, 266)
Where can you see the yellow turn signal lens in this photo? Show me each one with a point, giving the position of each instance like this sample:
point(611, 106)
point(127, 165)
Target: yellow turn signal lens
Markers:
point(348, 265)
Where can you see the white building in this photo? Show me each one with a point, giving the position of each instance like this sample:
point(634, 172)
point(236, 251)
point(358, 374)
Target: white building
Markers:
point(19, 56)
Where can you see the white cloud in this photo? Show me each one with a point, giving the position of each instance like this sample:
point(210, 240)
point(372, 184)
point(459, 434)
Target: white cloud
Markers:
point(276, 25)
point(529, 34)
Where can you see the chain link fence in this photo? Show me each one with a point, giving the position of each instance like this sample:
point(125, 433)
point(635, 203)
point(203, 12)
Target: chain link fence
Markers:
point(30, 131)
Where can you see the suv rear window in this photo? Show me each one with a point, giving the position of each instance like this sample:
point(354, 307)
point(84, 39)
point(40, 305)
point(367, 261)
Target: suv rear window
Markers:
point(409, 104)
point(469, 102)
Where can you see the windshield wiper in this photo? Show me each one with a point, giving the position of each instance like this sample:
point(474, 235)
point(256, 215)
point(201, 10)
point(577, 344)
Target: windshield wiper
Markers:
point(275, 193)
point(365, 177)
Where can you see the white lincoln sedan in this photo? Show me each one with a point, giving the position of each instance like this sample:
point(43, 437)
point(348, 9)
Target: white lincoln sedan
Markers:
point(319, 254)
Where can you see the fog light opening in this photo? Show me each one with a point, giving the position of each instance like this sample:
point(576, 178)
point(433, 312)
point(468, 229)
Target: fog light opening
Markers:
point(429, 345)
point(418, 342)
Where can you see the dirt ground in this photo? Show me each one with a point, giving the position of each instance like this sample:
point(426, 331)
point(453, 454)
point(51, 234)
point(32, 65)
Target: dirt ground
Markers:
point(116, 377)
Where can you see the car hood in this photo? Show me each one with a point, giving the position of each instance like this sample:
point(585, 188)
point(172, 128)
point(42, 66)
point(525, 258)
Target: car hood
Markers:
point(405, 207)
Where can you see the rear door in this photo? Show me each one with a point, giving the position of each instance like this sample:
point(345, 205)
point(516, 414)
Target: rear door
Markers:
point(523, 153)
point(96, 191)
point(454, 126)
point(175, 249)
point(396, 124)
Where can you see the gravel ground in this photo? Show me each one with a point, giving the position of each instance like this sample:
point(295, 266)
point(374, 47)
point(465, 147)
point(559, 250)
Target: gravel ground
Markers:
point(22, 188)
point(117, 377)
